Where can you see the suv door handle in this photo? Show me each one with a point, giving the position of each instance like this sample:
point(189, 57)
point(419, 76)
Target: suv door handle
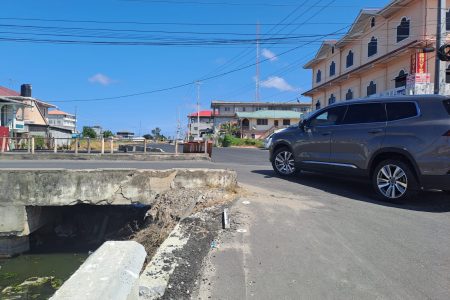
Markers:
point(374, 131)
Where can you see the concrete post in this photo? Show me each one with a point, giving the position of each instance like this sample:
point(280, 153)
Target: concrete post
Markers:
point(206, 146)
point(111, 141)
point(55, 146)
point(145, 145)
point(103, 145)
point(176, 146)
point(3, 144)
point(28, 145)
point(32, 145)
point(89, 145)
point(76, 146)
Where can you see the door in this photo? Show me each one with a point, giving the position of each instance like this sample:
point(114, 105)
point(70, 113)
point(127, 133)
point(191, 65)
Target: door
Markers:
point(361, 133)
point(313, 144)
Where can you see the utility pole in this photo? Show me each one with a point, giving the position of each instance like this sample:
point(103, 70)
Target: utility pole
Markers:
point(257, 64)
point(440, 72)
point(198, 109)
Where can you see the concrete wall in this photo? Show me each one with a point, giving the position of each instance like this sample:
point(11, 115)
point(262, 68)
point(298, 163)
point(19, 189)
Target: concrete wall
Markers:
point(60, 187)
point(111, 273)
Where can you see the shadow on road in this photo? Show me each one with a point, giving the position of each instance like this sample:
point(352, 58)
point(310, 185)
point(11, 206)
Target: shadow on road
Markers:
point(361, 190)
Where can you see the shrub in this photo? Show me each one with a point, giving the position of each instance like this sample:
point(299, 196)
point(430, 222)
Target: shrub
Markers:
point(227, 140)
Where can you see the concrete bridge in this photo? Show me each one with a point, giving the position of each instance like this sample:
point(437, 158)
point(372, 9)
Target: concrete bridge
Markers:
point(24, 194)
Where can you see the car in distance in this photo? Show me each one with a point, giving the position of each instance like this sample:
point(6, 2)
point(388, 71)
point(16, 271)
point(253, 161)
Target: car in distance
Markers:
point(402, 144)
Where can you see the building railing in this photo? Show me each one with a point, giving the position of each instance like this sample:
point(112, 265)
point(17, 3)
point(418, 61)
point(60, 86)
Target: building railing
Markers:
point(68, 145)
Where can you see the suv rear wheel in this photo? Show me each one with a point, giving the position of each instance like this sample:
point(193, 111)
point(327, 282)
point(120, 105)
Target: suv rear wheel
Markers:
point(283, 162)
point(394, 181)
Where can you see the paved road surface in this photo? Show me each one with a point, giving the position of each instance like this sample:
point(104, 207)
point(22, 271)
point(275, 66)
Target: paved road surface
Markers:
point(318, 237)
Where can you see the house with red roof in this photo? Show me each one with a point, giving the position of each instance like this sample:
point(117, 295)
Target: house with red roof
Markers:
point(200, 123)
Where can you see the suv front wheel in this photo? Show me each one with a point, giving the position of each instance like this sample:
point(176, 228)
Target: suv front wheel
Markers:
point(283, 162)
point(394, 181)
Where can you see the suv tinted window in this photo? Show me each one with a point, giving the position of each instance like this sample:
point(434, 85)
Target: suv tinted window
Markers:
point(401, 110)
point(447, 106)
point(329, 117)
point(365, 113)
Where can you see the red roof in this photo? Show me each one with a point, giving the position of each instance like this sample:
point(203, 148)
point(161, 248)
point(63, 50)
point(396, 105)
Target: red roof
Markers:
point(58, 112)
point(7, 92)
point(203, 113)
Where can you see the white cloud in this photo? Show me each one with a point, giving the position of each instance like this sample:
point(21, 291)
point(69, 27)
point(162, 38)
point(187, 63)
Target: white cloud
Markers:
point(279, 83)
point(267, 54)
point(101, 79)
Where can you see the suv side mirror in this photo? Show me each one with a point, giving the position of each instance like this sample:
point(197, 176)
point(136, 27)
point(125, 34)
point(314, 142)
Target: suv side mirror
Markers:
point(302, 125)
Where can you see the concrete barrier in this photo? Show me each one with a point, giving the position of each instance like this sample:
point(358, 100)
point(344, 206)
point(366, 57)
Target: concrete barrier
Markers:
point(110, 273)
point(98, 156)
point(24, 192)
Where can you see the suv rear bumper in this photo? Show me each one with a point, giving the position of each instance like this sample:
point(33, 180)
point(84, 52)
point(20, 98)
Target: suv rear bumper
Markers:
point(436, 182)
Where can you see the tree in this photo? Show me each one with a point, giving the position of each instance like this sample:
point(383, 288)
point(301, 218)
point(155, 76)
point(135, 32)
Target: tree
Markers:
point(88, 132)
point(230, 128)
point(157, 133)
point(107, 134)
point(148, 137)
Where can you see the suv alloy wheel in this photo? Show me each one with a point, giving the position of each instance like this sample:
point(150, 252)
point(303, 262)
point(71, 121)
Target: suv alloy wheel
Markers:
point(393, 181)
point(283, 162)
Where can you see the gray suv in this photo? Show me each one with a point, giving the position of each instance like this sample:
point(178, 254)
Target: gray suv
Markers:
point(402, 144)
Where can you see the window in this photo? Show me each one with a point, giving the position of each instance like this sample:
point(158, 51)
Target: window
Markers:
point(401, 110)
point(403, 30)
point(262, 122)
point(332, 50)
point(244, 109)
point(286, 122)
point(447, 74)
point(400, 80)
point(372, 47)
point(319, 76)
point(332, 69)
point(447, 21)
point(447, 105)
point(349, 95)
point(332, 99)
point(365, 113)
point(349, 59)
point(275, 123)
point(371, 89)
point(372, 22)
point(329, 117)
point(227, 108)
point(318, 105)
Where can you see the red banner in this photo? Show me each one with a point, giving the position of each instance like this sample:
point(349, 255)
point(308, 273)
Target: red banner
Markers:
point(419, 63)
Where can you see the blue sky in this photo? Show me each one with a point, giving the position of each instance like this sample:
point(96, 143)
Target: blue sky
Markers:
point(78, 72)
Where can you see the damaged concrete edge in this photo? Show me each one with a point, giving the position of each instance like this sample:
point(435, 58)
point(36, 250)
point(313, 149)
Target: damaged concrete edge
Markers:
point(155, 277)
point(112, 157)
point(60, 187)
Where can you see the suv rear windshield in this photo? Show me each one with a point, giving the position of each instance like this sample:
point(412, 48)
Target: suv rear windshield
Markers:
point(401, 110)
point(447, 106)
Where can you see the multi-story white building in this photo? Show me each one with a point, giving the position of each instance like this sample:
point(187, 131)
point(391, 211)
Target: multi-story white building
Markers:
point(62, 119)
point(382, 54)
point(206, 125)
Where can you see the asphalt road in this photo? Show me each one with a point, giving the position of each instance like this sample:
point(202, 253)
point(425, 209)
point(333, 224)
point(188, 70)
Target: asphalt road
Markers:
point(317, 237)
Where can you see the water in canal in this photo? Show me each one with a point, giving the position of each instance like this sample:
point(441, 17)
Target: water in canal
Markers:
point(43, 272)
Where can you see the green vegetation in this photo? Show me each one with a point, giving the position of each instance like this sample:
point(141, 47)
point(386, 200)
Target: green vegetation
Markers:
point(148, 137)
point(107, 134)
point(229, 140)
point(88, 132)
point(39, 142)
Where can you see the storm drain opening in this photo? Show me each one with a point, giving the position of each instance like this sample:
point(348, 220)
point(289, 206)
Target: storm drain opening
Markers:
point(84, 228)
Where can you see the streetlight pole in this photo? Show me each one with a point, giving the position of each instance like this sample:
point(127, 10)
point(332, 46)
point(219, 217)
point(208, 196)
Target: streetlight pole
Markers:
point(198, 109)
point(440, 72)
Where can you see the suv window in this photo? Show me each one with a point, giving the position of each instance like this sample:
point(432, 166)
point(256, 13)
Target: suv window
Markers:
point(401, 110)
point(447, 106)
point(365, 113)
point(331, 116)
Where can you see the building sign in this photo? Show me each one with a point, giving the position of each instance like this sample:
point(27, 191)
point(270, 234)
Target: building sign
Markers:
point(419, 63)
point(419, 78)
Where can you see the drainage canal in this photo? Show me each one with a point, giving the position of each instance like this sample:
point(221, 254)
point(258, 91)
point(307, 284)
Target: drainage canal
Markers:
point(60, 246)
